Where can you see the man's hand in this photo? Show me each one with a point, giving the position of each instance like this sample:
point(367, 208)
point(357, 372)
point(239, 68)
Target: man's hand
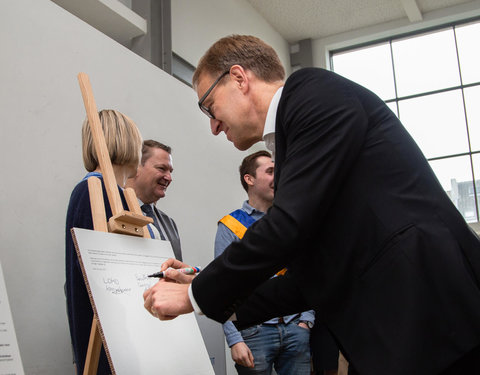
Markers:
point(304, 326)
point(169, 268)
point(173, 263)
point(173, 275)
point(166, 300)
point(242, 355)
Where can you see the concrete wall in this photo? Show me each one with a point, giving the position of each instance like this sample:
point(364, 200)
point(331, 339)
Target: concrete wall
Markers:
point(196, 25)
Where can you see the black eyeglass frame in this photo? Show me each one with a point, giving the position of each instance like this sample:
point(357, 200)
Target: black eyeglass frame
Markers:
point(204, 109)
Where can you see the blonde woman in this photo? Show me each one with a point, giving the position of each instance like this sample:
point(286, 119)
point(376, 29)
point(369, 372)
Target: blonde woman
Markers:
point(124, 144)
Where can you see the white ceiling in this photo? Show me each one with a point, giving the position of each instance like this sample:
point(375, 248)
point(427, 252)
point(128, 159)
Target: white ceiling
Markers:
point(302, 19)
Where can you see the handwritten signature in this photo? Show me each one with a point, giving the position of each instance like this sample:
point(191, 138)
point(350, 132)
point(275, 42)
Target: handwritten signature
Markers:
point(112, 285)
point(118, 290)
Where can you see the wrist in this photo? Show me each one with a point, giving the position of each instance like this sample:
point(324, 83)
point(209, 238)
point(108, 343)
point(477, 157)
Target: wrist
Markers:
point(308, 323)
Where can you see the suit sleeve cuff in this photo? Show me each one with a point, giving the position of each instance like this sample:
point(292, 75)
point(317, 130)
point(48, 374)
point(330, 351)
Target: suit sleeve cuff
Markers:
point(197, 309)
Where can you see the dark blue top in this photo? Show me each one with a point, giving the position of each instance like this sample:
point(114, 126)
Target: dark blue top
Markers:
point(80, 313)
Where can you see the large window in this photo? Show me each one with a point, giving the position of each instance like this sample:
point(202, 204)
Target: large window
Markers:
point(432, 83)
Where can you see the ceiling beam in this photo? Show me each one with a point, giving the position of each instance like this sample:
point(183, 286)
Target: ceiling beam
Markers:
point(111, 17)
point(412, 10)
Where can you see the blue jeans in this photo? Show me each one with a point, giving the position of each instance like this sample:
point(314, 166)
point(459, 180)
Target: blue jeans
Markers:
point(285, 346)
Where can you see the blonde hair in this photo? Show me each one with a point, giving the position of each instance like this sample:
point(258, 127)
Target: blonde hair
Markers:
point(124, 142)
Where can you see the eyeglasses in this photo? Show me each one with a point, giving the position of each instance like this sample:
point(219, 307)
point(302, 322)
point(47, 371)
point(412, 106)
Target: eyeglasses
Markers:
point(204, 109)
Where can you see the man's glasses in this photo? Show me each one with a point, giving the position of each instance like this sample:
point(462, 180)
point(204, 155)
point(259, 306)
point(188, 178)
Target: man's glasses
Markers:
point(204, 109)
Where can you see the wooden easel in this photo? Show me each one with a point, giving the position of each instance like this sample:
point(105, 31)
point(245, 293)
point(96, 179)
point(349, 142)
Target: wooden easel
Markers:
point(125, 222)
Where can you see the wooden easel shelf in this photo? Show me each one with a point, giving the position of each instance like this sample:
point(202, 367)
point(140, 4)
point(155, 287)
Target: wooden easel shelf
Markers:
point(127, 222)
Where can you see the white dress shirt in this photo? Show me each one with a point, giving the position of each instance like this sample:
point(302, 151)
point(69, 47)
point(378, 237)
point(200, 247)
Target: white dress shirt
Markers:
point(269, 128)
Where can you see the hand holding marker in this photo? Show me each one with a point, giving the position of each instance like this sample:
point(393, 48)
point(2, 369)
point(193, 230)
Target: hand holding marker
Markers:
point(186, 271)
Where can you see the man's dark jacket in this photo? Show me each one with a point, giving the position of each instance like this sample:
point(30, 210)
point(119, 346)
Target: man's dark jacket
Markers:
point(172, 232)
point(371, 240)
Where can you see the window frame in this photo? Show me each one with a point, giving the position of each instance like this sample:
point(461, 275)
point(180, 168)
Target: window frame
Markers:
point(417, 33)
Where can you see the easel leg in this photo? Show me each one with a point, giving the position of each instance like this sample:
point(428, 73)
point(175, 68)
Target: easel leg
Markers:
point(93, 352)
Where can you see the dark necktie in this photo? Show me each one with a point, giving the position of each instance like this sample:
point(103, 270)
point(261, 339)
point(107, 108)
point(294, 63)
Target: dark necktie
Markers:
point(147, 208)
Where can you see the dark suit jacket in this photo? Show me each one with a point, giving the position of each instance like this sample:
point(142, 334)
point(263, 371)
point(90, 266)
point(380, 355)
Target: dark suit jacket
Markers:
point(172, 232)
point(371, 240)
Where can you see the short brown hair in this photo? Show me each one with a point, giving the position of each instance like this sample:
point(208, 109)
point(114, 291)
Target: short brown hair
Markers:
point(121, 136)
point(249, 166)
point(245, 50)
point(147, 147)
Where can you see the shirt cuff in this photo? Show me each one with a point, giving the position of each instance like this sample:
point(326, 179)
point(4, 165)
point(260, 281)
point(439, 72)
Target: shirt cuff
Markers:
point(196, 308)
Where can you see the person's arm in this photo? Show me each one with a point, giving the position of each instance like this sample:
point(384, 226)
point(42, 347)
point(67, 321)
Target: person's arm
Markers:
point(232, 335)
point(278, 296)
point(223, 238)
point(242, 355)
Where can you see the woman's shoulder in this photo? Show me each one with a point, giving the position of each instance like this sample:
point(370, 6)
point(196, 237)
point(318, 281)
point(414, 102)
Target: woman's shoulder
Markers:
point(80, 198)
point(82, 186)
point(79, 190)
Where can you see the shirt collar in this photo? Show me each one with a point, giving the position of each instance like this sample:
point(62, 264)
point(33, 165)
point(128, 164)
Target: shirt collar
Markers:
point(92, 174)
point(269, 128)
point(141, 203)
point(247, 208)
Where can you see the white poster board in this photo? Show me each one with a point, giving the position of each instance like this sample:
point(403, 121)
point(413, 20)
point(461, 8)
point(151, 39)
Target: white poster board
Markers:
point(10, 361)
point(116, 267)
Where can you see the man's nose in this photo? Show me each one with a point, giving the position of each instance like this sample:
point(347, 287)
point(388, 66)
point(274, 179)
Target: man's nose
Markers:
point(168, 176)
point(215, 126)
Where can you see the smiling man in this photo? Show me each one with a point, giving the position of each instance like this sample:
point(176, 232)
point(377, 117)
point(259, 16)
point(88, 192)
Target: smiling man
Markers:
point(370, 238)
point(153, 177)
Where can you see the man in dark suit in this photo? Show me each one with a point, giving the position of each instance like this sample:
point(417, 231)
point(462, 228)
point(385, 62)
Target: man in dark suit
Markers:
point(371, 240)
point(153, 177)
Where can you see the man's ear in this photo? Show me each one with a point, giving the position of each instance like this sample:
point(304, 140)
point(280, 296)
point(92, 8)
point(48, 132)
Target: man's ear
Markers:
point(139, 168)
point(249, 179)
point(240, 77)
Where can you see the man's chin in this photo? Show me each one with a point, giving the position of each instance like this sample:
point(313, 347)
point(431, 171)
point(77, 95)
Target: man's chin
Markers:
point(160, 194)
point(242, 146)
